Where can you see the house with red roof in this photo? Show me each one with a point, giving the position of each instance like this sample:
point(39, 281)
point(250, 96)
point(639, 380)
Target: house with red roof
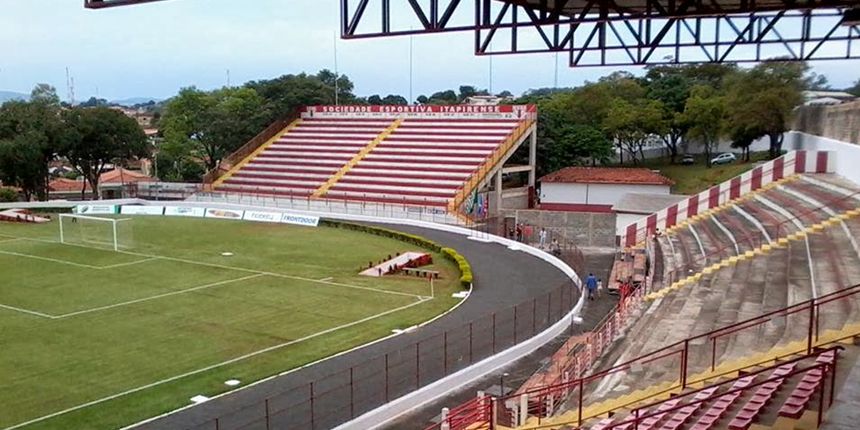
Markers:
point(113, 184)
point(597, 189)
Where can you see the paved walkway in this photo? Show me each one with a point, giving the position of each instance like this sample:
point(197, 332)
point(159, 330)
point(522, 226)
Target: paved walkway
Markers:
point(502, 278)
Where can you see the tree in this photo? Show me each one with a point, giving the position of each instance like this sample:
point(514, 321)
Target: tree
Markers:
point(284, 95)
point(671, 87)
point(854, 89)
point(213, 125)
point(448, 97)
point(705, 114)
point(31, 132)
point(815, 82)
point(422, 99)
point(395, 100)
point(95, 137)
point(577, 144)
point(94, 102)
point(505, 94)
point(46, 94)
point(763, 99)
point(630, 124)
point(21, 163)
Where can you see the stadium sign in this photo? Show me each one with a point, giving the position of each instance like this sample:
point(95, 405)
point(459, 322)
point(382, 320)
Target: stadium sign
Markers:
point(263, 216)
point(142, 210)
point(305, 220)
point(184, 211)
point(95, 209)
point(224, 213)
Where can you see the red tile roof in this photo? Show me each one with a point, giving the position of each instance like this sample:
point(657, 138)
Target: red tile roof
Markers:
point(607, 175)
point(66, 185)
point(124, 176)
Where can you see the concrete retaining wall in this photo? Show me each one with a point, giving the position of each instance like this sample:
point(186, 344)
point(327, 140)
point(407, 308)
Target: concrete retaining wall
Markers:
point(584, 229)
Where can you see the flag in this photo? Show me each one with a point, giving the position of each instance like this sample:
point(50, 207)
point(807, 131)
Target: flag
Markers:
point(472, 203)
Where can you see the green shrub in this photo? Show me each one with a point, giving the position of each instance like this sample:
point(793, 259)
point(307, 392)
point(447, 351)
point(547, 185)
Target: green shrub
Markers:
point(451, 254)
point(8, 195)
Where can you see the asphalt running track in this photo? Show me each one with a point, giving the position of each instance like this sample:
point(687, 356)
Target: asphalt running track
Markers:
point(502, 279)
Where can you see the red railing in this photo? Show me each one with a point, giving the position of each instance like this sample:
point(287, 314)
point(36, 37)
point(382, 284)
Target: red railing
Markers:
point(800, 321)
point(641, 413)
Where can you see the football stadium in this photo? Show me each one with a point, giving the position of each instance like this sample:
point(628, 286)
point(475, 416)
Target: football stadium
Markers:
point(673, 246)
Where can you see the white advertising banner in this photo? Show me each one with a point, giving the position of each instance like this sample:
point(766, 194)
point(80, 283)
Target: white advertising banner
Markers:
point(305, 220)
point(262, 216)
point(184, 211)
point(142, 210)
point(95, 209)
point(224, 213)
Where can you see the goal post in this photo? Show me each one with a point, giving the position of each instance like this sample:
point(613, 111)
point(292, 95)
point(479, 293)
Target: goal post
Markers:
point(111, 233)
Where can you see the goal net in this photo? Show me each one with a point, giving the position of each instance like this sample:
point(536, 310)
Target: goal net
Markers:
point(108, 233)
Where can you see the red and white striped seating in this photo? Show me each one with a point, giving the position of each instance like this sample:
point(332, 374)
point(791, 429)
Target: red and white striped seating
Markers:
point(424, 161)
point(305, 157)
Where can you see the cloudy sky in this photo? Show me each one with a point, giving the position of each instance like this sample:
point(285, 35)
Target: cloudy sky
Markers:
point(153, 50)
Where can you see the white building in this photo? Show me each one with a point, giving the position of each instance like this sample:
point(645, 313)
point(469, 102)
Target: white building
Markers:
point(597, 189)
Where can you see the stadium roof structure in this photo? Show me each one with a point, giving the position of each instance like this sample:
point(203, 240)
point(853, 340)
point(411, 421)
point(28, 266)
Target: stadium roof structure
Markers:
point(626, 32)
point(617, 32)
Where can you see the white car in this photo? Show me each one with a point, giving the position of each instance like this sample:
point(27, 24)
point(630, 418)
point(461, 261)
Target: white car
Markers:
point(726, 158)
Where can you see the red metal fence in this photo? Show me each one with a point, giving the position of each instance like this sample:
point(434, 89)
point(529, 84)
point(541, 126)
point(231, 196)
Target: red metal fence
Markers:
point(682, 362)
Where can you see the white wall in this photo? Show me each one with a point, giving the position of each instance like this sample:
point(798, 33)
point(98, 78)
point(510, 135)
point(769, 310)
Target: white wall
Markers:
point(847, 157)
point(594, 194)
point(622, 220)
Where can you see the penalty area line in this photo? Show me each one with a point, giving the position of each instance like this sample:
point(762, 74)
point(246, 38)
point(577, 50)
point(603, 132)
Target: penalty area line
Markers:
point(240, 269)
point(27, 311)
point(158, 296)
point(215, 366)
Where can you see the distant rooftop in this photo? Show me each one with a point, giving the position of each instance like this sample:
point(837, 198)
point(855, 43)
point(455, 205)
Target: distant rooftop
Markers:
point(607, 175)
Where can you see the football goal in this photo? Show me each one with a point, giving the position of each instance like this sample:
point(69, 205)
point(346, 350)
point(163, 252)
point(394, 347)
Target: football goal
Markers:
point(110, 233)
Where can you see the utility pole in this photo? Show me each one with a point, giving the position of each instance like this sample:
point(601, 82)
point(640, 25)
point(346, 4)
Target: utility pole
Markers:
point(411, 100)
point(336, 89)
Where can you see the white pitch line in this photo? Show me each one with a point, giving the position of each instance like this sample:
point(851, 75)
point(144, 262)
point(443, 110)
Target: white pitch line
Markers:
point(114, 266)
point(10, 239)
point(214, 366)
point(157, 296)
point(53, 260)
point(27, 311)
point(241, 269)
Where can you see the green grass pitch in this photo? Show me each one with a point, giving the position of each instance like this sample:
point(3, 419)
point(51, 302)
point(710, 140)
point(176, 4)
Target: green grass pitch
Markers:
point(93, 338)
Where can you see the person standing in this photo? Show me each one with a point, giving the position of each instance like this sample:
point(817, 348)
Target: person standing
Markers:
point(591, 285)
point(599, 288)
point(542, 237)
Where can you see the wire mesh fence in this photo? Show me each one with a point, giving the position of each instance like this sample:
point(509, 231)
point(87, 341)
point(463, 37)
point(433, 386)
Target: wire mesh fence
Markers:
point(341, 396)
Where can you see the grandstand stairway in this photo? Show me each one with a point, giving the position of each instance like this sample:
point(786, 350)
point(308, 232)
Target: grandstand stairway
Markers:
point(420, 159)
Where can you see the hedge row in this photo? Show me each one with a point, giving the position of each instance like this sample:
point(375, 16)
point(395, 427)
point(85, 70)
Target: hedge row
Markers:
point(449, 253)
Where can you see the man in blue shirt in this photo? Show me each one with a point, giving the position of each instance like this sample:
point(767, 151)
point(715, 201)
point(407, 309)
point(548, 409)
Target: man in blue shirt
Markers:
point(591, 285)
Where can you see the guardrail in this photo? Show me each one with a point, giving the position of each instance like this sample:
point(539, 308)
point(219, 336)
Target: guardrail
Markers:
point(776, 169)
point(641, 413)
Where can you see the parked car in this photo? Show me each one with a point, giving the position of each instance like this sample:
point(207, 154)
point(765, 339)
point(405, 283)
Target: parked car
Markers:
point(688, 159)
point(725, 158)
